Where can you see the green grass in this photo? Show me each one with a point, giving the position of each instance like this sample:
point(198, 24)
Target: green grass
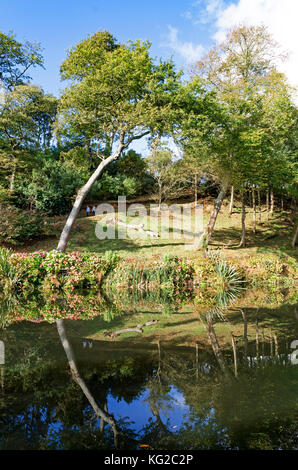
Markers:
point(273, 236)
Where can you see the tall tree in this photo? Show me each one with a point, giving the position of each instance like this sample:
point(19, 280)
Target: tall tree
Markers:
point(118, 94)
point(241, 71)
point(26, 114)
point(16, 59)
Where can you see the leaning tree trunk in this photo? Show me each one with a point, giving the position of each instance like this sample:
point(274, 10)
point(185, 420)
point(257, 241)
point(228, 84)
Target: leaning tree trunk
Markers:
point(216, 209)
point(82, 193)
point(243, 215)
point(231, 201)
point(80, 381)
point(295, 238)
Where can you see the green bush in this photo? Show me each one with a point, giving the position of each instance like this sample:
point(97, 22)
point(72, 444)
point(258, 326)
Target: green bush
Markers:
point(169, 272)
point(18, 227)
point(54, 270)
point(51, 188)
point(108, 186)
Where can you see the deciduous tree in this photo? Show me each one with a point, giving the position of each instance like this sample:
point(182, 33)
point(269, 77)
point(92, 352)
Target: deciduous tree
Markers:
point(118, 94)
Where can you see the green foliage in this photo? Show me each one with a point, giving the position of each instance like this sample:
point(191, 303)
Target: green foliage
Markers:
point(50, 188)
point(228, 273)
point(6, 269)
point(126, 177)
point(16, 59)
point(5, 196)
point(171, 177)
point(18, 226)
point(87, 56)
point(55, 270)
point(120, 94)
point(29, 106)
point(112, 186)
point(244, 139)
point(129, 164)
point(169, 272)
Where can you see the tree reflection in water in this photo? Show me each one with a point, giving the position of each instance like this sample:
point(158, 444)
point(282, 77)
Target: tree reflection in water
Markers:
point(239, 393)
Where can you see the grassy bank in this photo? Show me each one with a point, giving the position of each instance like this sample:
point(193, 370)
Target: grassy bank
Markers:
point(274, 233)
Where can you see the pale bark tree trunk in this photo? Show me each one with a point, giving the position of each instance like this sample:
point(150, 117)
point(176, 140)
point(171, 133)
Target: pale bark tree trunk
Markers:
point(275, 344)
point(267, 203)
point(245, 339)
point(271, 343)
point(271, 202)
point(260, 207)
point(214, 342)
point(282, 203)
point(159, 195)
point(254, 211)
point(243, 215)
point(12, 177)
point(215, 212)
point(78, 379)
point(156, 413)
point(257, 339)
point(102, 422)
point(196, 190)
point(232, 200)
point(263, 342)
point(235, 356)
point(82, 193)
point(197, 361)
point(295, 238)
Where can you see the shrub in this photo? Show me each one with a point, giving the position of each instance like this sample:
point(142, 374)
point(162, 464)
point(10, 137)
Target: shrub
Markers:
point(49, 271)
point(168, 272)
point(18, 227)
point(9, 277)
point(51, 188)
point(111, 186)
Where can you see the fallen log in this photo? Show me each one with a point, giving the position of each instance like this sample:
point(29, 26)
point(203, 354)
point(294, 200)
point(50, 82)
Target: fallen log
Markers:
point(137, 329)
point(139, 228)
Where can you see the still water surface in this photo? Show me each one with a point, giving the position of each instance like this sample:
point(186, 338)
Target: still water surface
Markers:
point(232, 389)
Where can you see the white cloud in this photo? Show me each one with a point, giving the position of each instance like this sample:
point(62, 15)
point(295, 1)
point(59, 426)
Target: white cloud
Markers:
point(188, 50)
point(204, 11)
point(211, 8)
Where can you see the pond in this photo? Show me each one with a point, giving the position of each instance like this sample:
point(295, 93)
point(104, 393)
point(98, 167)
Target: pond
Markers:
point(191, 378)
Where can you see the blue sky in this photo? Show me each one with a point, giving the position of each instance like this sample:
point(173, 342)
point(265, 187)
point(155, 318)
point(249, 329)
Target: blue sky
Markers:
point(58, 25)
point(183, 29)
